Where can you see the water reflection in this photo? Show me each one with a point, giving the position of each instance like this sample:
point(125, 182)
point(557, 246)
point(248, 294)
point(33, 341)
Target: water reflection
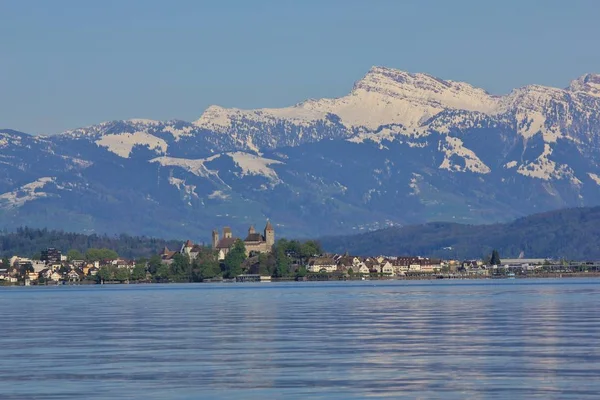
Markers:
point(322, 340)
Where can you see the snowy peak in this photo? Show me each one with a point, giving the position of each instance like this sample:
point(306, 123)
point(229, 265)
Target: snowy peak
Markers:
point(588, 83)
point(385, 104)
point(426, 89)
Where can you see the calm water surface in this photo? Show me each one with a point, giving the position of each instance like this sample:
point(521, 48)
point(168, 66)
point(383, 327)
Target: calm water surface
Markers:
point(480, 339)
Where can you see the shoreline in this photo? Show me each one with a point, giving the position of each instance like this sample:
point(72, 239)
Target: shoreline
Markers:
point(436, 277)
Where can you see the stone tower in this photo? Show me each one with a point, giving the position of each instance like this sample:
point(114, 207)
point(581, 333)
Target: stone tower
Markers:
point(226, 232)
point(215, 238)
point(269, 235)
point(251, 230)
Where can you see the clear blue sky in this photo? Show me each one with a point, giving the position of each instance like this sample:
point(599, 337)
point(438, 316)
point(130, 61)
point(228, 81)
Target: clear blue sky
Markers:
point(71, 63)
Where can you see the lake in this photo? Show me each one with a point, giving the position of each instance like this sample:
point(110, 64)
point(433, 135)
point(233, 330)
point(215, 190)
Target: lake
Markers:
point(488, 339)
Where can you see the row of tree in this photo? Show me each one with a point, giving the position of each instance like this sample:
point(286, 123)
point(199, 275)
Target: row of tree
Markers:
point(29, 241)
point(287, 259)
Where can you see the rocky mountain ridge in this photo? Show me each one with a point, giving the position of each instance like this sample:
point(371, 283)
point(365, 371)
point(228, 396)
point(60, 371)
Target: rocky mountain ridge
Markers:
point(399, 148)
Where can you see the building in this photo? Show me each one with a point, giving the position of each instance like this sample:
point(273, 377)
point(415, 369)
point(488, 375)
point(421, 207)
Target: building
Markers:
point(51, 256)
point(254, 242)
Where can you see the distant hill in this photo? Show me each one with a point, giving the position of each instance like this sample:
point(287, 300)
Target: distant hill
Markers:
point(569, 233)
point(29, 241)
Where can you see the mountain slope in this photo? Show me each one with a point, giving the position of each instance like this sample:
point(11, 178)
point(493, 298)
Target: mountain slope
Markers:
point(399, 149)
point(571, 234)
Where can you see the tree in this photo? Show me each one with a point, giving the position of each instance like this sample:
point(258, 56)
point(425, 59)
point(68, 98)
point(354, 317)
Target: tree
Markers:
point(122, 274)
point(139, 272)
point(206, 265)
point(180, 267)
point(162, 272)
point(301, 272)
point(105, 273)
point(234, 259)
point(263, 264)
point(74, 254)
point(153, 264)
point(350, 271)
point(100, 254)
point(282, 264)
point(495, 259)
point(25, 268)
point(5, 263)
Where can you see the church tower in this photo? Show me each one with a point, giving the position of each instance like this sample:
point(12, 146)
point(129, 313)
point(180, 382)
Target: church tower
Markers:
point(215, 238)
point(269, 235)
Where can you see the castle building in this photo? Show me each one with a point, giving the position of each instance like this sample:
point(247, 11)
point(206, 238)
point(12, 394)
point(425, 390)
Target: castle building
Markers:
point(255, 242)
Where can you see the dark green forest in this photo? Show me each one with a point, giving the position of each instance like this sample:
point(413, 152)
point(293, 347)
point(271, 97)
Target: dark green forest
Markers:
point(29, 242)
point(572, 234)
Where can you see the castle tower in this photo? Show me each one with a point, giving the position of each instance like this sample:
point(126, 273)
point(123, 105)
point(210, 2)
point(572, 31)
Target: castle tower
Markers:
point(215, 238)
point(269, 235)
point(226, 232)
point(251, 230)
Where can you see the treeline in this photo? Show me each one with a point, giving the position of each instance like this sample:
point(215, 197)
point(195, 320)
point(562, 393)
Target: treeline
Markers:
point(572, 234)
point(29, 242)
point(288, 259)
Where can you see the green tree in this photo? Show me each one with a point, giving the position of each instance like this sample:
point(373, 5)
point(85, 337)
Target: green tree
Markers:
point(350, 271)
point(205, 266)
point(264, 262)
point(495, 259)
point(122, 274)
point(162, 272)
point(5, 263)
point(100, 254)
point(234, 259)
point(139, 272)
point(180, 267)
point(209, 263)
point(282, 267)
point(105, 273)
point(153, 264)
point(310, 248)
point(74, 254)
point(301, 272)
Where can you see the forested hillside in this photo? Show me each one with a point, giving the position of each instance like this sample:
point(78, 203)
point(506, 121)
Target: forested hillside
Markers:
point(570, 233)
point(29, 242)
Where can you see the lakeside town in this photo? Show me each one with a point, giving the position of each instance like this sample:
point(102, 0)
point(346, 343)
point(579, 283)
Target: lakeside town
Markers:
point(259, 257)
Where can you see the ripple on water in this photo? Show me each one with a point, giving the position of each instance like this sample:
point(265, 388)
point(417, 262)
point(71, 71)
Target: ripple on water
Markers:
point(323, 340)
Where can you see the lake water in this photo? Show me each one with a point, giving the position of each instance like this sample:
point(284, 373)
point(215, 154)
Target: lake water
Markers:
point(500, 339)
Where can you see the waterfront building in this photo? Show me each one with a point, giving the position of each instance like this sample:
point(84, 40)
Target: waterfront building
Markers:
point(254, 242)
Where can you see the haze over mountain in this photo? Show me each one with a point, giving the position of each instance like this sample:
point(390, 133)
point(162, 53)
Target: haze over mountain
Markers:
point(399, 149)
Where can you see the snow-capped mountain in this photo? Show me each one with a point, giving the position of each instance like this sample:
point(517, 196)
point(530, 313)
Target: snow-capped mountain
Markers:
point(399, 148)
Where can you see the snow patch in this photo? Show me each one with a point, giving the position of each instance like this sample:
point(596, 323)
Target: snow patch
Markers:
point(25, 193)
point(255, 165)
point(142, 121)
point(218, 194)
point(510, 164)
point(546, 169)
point(188, 191)
point(595, 178)
point(196, 167)
point(179, 133)
point(454, 147)
point(528, 124)
point(122, 144)
point(414, 184)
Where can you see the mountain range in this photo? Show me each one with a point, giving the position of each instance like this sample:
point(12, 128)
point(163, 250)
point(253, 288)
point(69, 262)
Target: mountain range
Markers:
point(399, 149)
point(571, 234)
